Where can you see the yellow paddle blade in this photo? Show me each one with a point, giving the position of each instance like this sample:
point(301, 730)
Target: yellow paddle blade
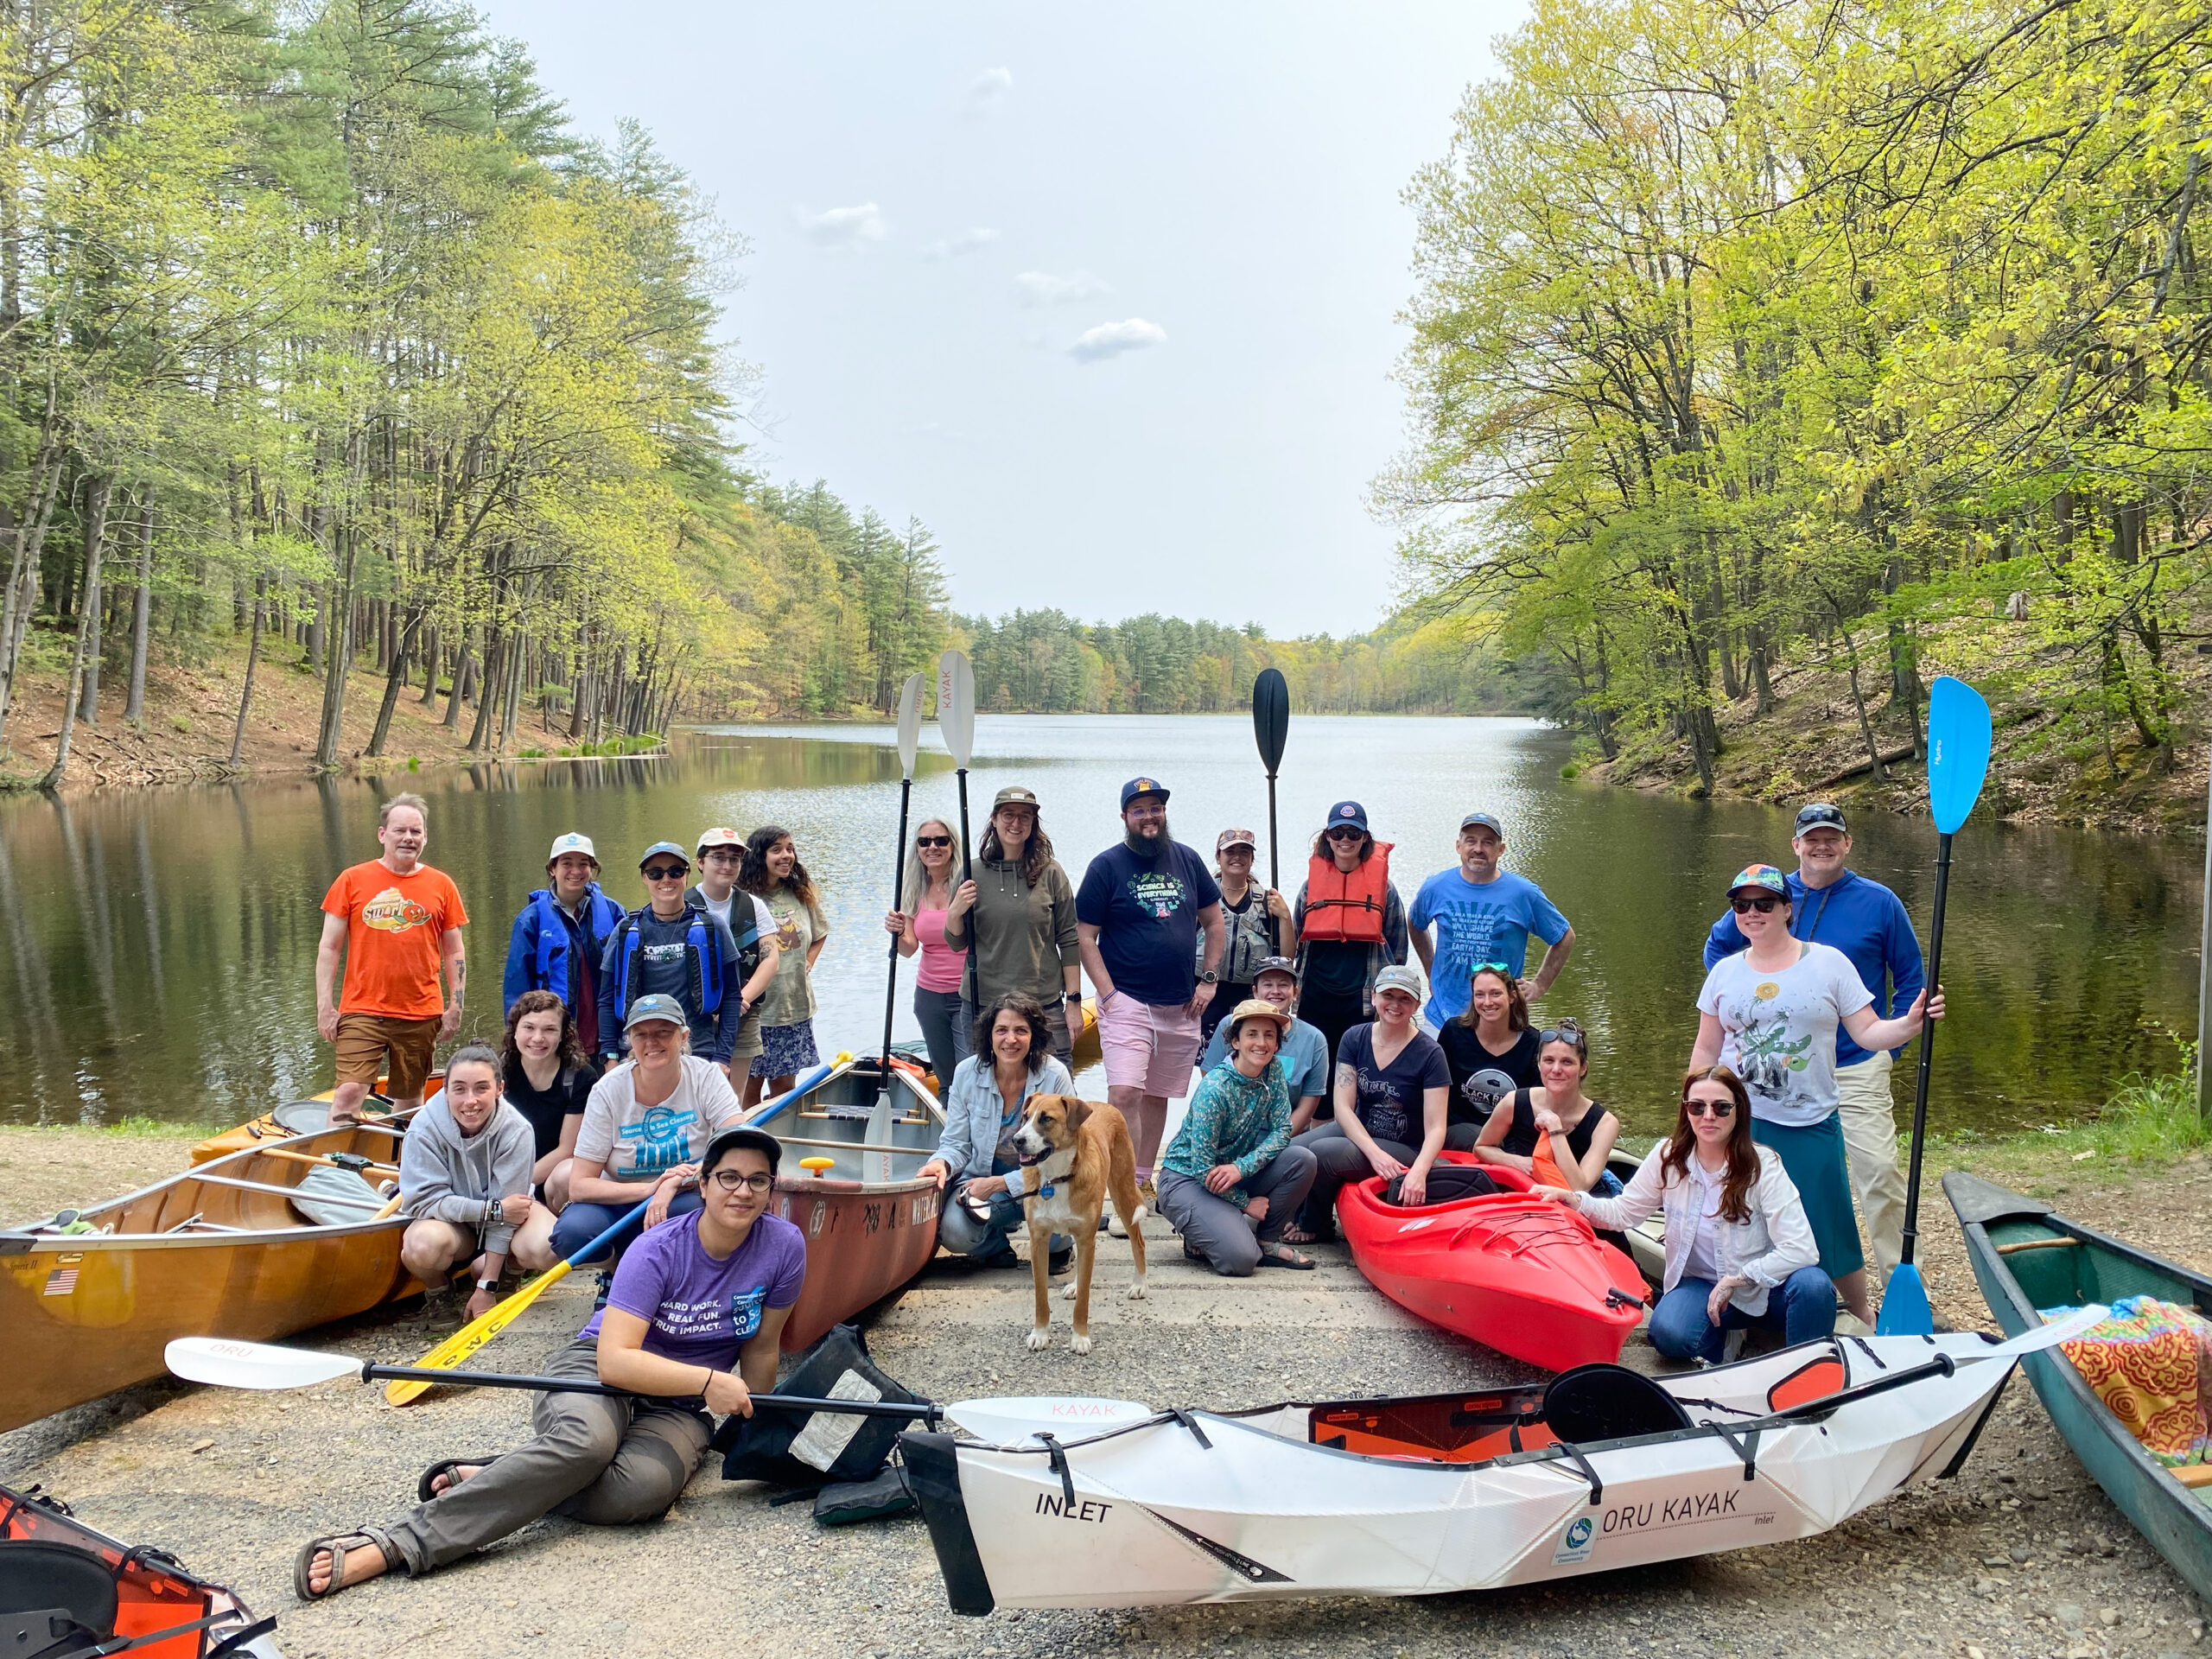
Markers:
point(464, 1343)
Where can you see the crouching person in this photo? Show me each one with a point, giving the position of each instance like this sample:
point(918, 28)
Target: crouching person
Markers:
point(691, 1327)
point(464, 1185)
point(1230, 1180)
point(1013, 1060)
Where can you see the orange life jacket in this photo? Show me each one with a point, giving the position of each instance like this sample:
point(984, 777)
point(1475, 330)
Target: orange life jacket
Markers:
point(1347, 904)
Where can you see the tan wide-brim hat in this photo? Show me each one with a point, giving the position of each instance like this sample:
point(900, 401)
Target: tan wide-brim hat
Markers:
point(1253, 1008)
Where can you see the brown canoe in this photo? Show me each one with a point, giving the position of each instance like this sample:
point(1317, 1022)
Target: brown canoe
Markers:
point(221, 1250)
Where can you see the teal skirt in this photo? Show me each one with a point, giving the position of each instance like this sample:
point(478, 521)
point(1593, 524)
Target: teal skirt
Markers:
point(1820, 1170)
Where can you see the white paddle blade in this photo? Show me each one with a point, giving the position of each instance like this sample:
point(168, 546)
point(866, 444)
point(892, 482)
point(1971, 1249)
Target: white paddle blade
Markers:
point(955, 705)
point(910, 723)
point(230, 1364)
point(1009, 1420)
point(2051, 1332)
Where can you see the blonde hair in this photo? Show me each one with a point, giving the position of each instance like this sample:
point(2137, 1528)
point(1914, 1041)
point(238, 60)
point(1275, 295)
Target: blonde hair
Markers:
point(917, 882)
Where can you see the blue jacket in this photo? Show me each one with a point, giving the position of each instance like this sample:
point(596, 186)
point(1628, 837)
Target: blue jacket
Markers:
point(709, 986)
point(547, 947)
point(1866, 921)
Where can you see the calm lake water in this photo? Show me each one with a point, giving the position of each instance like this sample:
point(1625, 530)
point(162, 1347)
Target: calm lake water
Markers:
point(160, 945)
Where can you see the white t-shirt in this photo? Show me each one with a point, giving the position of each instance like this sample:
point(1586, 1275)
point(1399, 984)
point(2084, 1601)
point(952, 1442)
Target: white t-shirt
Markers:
point(641, 1143)
point(1781, 1029)
point(763, 922)
point(1703, 1261)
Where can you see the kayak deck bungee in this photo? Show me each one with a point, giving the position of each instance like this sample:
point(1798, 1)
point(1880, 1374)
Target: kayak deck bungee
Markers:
point(1430, 1495)
point(2026, 1256)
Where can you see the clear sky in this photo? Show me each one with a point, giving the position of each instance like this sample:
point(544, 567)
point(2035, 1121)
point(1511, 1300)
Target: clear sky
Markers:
point(1104, 295)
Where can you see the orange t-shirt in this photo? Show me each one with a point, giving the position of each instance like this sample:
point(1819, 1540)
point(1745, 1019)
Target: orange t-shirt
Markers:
point(393, 924)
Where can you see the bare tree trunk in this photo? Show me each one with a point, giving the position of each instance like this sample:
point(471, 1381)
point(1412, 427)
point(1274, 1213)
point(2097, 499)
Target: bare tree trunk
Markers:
point(495, 662)
point(431, 649)
point(401, 656)
point(22, 573)
point(88, 628)
point(142, 606)
point(253, 660)
point(464, 669)
point(96, 491)
point(1859, 702)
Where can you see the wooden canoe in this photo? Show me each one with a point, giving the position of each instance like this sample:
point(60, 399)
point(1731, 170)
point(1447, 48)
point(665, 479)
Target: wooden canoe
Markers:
point(2025, 1256)
point(870, 1217)
point(194, 1256)
point(295, 1117)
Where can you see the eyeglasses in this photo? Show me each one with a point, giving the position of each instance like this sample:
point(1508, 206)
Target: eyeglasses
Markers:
point(1762, 905)
point(1721, 1109)
point(667, 873)
point(932, 840)
point(732, 854)
point(731, 1180)
point(1566, 1031)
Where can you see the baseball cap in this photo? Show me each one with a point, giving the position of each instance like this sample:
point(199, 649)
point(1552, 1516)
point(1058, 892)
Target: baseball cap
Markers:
point(1253, 1008)
point(745, 1137)
point(1764, 876)
point(1137, 786)
point(1350, 812)
point(1397, 977)
point(1482, 820)
point(1274, 965)
point(572, 842)
point(655, 1006)
point(1230, 838)
point(1820, 815)
point(1016, 795)
point(720, 835)
point(647, 857)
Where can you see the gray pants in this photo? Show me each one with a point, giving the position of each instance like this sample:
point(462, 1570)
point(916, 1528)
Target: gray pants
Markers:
point(947, 1021)
point(1216, 1228)
point(595, 1457)
point(1335, 1161)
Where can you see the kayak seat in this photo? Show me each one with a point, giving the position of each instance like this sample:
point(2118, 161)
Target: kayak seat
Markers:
point(44, 1583)
point(1609, 1403)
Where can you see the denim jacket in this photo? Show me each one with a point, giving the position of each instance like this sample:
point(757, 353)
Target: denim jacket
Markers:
point(974, 1110)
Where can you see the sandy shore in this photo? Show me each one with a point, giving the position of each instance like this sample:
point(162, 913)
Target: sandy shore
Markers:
point(2021, 1555)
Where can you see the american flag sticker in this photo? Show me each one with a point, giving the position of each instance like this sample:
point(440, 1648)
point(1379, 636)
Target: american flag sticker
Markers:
point(62, 1281)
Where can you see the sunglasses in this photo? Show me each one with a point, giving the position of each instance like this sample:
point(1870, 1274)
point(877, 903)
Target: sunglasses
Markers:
point(667, 873)
point(1762, 905)
point(1346, 835)
point(932, 840)
point(1505, 967)
point(1722, 1109)
point(731, 1180)
point(1566, 1031)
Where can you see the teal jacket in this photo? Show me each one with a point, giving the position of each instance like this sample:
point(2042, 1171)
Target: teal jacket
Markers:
point(1232, 1118)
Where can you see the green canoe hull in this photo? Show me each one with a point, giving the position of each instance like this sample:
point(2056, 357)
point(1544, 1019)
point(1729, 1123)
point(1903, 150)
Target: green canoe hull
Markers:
point(2088, 1267)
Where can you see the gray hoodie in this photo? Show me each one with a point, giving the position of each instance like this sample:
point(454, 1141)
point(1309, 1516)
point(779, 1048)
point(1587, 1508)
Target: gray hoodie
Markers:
point(448, 1177)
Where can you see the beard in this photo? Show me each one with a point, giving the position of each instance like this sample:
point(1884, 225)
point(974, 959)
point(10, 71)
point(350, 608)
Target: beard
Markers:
point(1138, 842)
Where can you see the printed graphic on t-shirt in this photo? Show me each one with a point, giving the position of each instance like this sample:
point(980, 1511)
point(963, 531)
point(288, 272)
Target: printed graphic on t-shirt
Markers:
point(739, 1315)
point(668, 951)
point(1160, 891)
point(1483, 1090)
point(660, 1139)
point(393, 911)
point(1767, 1059)
point(744, 1311)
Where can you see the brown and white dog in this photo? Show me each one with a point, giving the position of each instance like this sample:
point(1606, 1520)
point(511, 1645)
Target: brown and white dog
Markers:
point(1077, 1154)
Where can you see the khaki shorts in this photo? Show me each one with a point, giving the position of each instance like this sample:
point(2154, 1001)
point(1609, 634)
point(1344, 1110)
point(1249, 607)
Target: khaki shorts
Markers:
point(1147, 1047)
point(363, 1040)
point(748, 1048)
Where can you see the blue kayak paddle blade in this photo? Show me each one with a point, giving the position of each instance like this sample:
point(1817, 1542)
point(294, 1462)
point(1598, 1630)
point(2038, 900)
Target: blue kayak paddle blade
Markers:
point(1958, 755)
point(1905, 1312)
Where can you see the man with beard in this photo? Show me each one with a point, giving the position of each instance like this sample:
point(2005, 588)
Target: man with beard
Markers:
point(1138, 916)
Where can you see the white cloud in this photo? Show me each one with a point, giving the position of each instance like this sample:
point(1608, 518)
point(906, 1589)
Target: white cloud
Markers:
point(990, 88)
point(1112, 339)
point(1045, 288)
point(975, 239)
point(842, 227)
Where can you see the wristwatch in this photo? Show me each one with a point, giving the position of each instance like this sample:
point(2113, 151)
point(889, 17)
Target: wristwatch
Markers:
point(1072, 996)
point(487, 1284)
point(1209, 977)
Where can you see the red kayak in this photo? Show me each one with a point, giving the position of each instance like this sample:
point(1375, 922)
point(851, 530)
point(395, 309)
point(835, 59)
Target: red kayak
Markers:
point(1519, 1273)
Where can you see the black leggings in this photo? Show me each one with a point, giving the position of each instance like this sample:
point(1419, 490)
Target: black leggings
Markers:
point(1332, 1014)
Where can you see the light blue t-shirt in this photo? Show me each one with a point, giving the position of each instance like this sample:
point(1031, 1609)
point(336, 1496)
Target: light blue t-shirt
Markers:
point(1475, 923)
point(1304, 1059)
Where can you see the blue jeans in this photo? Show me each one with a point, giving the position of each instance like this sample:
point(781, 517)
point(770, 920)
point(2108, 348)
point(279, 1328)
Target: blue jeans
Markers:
point(1802, 1307)
point(962, 1232)
point(580, 1224)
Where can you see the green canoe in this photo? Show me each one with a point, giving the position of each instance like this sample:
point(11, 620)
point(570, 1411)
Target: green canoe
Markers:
point(2024, 1257)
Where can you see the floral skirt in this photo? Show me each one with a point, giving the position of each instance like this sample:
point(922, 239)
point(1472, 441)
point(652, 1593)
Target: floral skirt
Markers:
point(785, 1051)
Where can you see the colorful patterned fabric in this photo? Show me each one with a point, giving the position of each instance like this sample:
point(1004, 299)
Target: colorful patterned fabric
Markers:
point(2151, 1363)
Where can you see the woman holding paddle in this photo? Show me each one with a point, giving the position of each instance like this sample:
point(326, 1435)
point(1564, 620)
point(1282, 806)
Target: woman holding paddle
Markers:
point(925, 896)
point(691, 1327)
point(1016, 920)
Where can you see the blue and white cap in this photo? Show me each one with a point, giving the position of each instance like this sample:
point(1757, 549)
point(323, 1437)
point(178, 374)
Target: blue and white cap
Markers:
point(572, 842)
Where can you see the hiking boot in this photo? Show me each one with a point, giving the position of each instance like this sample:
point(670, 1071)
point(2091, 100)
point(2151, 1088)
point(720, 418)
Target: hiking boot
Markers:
point(1059, 1260)
point(443, 1312)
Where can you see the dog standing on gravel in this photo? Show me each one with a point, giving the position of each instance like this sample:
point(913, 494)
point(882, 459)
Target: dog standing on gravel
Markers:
point(1078, 1154)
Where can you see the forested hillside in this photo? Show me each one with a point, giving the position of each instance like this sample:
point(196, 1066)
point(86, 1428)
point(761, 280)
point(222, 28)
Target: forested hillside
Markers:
point(1870, 336)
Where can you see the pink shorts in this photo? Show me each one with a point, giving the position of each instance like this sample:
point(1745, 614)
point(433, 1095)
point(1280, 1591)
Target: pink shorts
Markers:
point(1147, 1047)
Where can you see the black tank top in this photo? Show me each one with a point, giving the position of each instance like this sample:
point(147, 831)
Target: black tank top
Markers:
point(1521, 1139)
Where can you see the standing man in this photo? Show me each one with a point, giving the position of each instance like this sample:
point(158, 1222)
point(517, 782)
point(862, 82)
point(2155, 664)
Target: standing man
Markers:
point(397, 921)
point(1138, 916)
point(560, 934)
point(1833, 905)
point(1482, 914)
point(669, 948)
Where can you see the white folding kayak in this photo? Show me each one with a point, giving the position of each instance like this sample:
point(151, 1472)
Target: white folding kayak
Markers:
point(1603, 1468)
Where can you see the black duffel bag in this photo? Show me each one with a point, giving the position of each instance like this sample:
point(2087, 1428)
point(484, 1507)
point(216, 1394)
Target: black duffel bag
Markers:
point(824, 1447)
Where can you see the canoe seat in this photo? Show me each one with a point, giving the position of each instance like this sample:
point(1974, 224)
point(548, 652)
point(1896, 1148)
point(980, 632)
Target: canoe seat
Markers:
point(1609, 1403)
point(43, 1585)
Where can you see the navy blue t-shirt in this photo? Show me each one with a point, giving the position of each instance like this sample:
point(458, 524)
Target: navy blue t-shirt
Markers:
point(1147, 911)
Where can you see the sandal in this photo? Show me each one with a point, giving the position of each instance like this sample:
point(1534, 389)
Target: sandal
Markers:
point(1295, 1234)
point(426, 1488)
point(1280, 1254)
point(336, 1546)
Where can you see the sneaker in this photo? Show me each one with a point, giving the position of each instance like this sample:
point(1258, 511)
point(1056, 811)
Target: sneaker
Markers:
point(1004, 1256)
point(444, 1311)
point(1059, 1261)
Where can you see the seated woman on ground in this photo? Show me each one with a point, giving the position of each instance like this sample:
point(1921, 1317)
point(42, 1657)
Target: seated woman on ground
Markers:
point(464, 1185)
point(1013, 1060)
point(691, 1327)
point(1739, 1250)
point(547, 1076)
point(1232, 1165)
point(1554, 1133)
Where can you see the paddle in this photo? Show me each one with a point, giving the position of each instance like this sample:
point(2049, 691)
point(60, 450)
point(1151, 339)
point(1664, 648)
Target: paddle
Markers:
point(910, 741)
point(1271, 726)
point(1958, 760)
point(956, 718)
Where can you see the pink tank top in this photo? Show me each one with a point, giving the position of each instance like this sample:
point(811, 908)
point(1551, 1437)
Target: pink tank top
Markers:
point(941, 967)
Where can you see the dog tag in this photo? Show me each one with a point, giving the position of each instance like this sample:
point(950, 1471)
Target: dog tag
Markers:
point(1046, 1190)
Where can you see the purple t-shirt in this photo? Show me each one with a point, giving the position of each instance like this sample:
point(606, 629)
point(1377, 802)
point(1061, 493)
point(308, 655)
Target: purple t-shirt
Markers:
point(698, 1310)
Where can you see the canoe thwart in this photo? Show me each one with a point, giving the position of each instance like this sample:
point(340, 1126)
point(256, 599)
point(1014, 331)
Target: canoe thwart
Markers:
point(2019, 1244)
